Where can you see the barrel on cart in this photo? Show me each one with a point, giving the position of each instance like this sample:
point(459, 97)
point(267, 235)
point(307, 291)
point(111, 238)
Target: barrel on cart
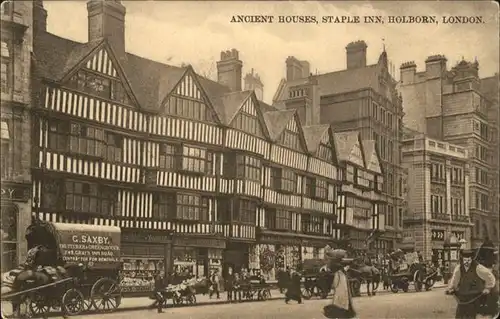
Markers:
point(70, 268)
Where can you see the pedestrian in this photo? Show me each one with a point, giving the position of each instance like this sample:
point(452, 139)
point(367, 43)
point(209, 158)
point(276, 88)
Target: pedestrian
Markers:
point(283, 278)
point(341, 306)
point(293, 292)
point(472, 284)
point(229, 284)
point(158, 293)
point(237, 287)
point(215, 284)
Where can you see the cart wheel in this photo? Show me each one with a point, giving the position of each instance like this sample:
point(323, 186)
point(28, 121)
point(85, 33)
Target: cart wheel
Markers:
point(266, 294)
point(306, 294)
point(73, 302)
point(191, 299)
point(87, 303)
point(106, 295)
point(37, 304)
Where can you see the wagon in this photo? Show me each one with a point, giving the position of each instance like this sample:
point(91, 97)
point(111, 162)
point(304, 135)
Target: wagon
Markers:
point(255, 289)
point(317, 278)
point(71, 268)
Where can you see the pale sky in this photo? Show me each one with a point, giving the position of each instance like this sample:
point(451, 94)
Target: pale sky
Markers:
point(176, 32)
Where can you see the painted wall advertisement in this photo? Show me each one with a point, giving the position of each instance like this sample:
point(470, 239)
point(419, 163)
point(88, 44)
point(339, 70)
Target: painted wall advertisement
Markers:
point(96, 248)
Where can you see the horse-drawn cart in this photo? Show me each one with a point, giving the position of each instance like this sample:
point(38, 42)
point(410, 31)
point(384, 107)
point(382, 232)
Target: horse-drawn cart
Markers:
point(317, 278)
point(70, 268)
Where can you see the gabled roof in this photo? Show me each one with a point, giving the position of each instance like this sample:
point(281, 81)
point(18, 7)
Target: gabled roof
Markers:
point(264, 107)
point(349, 80)
point(313, 135)
point(276, 121)
point(370, 150)
point(344, 142)
point(150, 80)
point(232, 103)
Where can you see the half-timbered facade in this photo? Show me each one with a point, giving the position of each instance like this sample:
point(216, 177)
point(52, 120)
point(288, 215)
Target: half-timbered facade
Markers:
point(359, 216)
point(126, 141)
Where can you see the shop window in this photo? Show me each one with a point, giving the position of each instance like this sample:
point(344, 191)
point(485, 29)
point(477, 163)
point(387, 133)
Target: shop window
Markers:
point(247, 212)
point(184, 254)
point(284, 180)
point(6, 165)
point(6, 76)
point(192, 207)
point(248, 168)
point(9, 237)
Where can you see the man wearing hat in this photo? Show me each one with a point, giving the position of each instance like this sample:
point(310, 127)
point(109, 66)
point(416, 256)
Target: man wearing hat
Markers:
point(470, 279)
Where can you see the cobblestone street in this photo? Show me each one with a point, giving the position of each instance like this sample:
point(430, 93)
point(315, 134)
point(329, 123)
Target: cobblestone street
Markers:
point(431, 304)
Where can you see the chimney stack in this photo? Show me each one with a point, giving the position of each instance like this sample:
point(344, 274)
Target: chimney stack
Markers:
point(39, 18)
point(296, 69)
point(229, 70)
point(107, 20)
point(356, 54)
point(253, 82)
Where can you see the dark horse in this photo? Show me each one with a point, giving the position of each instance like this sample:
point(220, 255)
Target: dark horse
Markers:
point(43, 265)
point(365, 272)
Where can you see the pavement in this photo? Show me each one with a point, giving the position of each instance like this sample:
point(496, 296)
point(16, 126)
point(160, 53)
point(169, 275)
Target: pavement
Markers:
point(412, 305)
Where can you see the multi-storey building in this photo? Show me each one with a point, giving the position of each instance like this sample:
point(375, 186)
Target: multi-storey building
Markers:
point(152, 148)
point(438, 194)
point(15, 173)
point(361, 98)
point(361, 194)
point(448, 105)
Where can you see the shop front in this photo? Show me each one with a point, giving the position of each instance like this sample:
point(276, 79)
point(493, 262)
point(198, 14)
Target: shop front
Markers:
point(143, 255)
point(197, 256)
point(275, 251)
point(16, 216)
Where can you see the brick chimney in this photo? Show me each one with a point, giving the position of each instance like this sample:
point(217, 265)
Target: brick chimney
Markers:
point(39, 17)
point(435, 66)
point(229, 70)
point(107, 20)
point(296, 69)
point(356, 54)
point(253, 82)
point(407, 72)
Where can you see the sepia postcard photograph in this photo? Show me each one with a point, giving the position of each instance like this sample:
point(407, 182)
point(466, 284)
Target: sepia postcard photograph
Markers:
point(250, 159)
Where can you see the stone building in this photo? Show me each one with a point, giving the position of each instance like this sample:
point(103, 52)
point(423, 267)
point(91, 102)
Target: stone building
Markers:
point(15, 174)
point(451, 106)
point(152, 148)
point(360, 98)
point(438, 194)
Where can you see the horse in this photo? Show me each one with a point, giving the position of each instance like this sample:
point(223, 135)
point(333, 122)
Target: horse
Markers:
point(367, 273)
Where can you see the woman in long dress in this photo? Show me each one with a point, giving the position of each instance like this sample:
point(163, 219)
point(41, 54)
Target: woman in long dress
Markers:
point(341, 305)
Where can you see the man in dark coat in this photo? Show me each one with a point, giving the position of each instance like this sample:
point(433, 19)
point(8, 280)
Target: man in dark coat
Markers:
point(283, 278)
point(469, 281)
point(293, 291)
point(158, 293)
point(229, 281)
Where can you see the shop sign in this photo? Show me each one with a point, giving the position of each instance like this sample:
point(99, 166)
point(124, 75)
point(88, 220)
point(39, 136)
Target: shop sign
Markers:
point(437, 234)
point(15, 193)
point(199, 242)
point(281, 240)
point(141, 237)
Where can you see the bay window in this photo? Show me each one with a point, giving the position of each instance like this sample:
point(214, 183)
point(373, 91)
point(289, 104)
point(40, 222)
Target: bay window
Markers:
point(321, 189)
point(90, 198)
point(163, 206)
point(86, 140)
point(6, 59)
point(246, 212)
point(249, 168)
point(114, 145)
point(312, 224)
point(186, 157)
point(167, 156)
point(284, 180)
point(192, 207)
